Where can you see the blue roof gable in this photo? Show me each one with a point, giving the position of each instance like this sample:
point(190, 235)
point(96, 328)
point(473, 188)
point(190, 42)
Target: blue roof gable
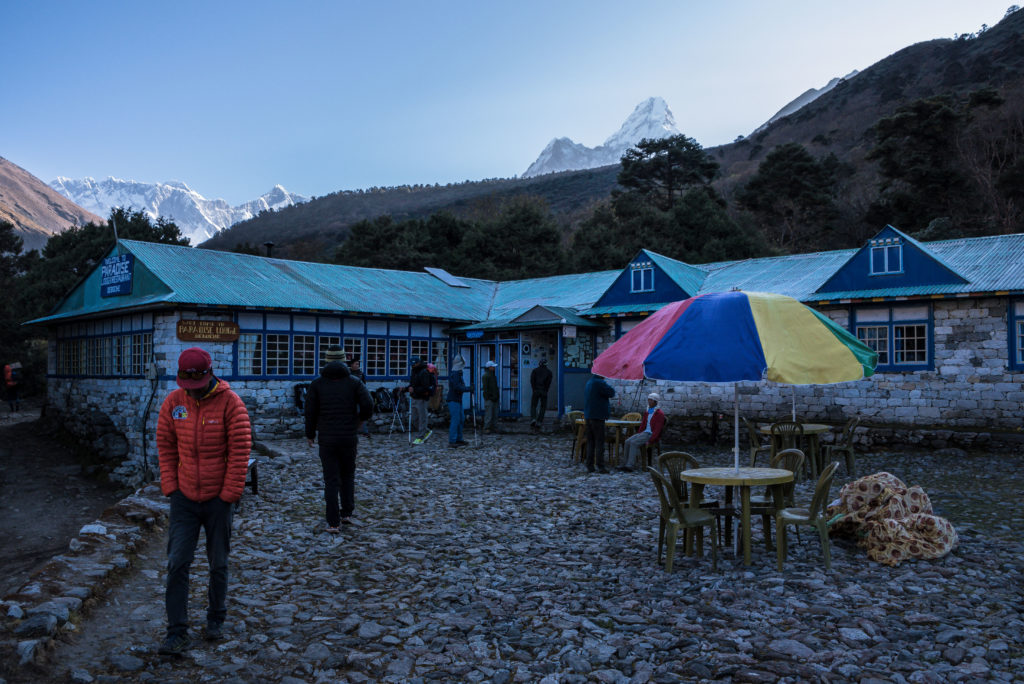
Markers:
point(652, 279)
point(891, 259)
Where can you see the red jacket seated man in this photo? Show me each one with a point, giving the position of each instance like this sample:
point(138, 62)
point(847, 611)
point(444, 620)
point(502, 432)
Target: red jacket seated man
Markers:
point(651, 426)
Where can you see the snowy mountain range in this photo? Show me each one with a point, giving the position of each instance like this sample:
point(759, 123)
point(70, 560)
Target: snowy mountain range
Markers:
point(651, 119)
point(198, 218)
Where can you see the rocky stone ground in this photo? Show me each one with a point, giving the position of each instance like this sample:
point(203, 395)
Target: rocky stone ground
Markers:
point(507, 563)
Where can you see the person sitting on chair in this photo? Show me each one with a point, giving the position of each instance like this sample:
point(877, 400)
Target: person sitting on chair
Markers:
point(650, 432)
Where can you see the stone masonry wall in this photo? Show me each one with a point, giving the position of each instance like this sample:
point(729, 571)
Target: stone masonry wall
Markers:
point(969, 399)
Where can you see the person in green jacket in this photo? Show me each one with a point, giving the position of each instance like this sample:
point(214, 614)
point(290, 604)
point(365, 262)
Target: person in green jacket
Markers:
point(490, 390)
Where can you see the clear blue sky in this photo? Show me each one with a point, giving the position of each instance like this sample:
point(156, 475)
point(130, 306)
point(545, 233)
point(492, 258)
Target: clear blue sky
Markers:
point(235, 97)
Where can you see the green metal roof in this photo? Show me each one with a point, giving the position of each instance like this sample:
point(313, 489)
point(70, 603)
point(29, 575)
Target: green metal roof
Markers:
point(172, 275)
point(688, 277)
point(577, 291)
point(562, 316)
point(185, 275)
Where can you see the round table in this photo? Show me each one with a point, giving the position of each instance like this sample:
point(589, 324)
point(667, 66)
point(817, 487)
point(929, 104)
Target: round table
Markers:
point(813, 433)
point(616, 424)
point(744, 478)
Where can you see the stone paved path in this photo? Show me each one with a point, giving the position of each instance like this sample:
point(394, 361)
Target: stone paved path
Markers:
point(507, 563)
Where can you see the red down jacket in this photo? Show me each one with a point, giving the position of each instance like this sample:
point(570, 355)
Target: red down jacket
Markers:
point(204, 445)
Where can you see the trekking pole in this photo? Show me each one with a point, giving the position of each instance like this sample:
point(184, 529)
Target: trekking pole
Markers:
point(410, 418)
point(472, 412)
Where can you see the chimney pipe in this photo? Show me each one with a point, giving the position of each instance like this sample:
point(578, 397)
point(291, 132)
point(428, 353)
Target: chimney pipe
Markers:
point(270, 248)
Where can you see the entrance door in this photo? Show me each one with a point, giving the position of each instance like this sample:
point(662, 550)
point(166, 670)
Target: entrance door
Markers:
point(508, 378)
point(466, 352)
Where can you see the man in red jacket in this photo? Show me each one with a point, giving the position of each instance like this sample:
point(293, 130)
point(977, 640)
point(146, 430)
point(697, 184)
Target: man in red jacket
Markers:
point(203, 437)
point(650, 432)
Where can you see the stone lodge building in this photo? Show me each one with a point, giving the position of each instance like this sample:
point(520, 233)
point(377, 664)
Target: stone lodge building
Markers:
point(946, 318)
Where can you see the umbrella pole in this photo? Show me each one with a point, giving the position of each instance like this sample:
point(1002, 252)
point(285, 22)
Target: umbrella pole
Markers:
point(736, 425)
point(794, 402)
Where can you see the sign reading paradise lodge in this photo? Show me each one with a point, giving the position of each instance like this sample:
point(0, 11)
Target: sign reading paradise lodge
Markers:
point(116, 275)
point(207, 331)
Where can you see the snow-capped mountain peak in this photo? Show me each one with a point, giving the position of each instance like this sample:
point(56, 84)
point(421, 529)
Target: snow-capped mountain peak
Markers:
point(198, 218)
point(650, 119)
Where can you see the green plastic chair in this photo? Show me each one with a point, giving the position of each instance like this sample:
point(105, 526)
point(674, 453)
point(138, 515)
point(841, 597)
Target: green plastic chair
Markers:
point(756, 445)
point(844, 444)
point(814, 516)
point(787, 434)
point(670, 464)
point(675, 516)
point(764, 505)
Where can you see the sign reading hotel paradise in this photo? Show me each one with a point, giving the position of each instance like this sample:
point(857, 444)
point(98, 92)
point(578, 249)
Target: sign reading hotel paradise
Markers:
point(116, 275)
point(207, 331)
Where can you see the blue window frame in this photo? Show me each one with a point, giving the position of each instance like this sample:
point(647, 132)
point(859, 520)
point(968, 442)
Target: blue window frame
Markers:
point(1015, 334)
point(886, 256)
point(121, 346)
point(641, 277)
point(903, 336)
point(278, 346)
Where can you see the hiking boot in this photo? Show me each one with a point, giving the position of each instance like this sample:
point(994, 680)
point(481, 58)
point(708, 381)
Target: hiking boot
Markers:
point(214, 631)
point(175, 644)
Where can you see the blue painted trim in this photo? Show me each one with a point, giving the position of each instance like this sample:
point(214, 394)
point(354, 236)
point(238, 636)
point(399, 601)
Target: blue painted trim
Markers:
point(893, 367)
point(1012, 319)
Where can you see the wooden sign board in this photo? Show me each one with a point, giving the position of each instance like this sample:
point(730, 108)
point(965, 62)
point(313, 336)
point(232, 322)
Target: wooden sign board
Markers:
point(207, 331)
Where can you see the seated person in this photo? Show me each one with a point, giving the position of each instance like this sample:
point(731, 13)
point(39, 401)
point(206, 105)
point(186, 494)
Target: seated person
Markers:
point(650, 432)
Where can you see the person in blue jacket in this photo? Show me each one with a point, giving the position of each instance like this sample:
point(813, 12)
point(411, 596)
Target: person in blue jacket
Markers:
point(596, 410)
point(456, 388)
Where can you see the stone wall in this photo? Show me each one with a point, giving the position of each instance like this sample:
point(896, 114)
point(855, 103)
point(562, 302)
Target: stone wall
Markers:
point(971, 398)
point(116, 418)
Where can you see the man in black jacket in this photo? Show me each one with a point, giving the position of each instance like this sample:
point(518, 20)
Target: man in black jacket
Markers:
point(540, 383)
point(421, 388)
point(335, 405)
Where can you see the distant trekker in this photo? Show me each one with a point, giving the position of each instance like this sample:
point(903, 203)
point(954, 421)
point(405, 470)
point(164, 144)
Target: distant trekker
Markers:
point(12, 384)
point(540, 383)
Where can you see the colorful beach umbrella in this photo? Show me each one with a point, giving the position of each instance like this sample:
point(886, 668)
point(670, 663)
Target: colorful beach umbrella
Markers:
point(736, 336)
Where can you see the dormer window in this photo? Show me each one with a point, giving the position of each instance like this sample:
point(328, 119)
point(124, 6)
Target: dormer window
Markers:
point(642, 276)
point(886, 256)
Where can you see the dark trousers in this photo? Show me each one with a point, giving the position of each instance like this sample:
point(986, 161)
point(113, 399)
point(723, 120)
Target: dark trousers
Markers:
point(595, 443)
point(339, 462)
point(538, 406)
point(187, 517)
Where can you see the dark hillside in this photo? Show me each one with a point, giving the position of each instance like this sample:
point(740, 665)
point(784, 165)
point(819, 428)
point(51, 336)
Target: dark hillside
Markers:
point(327, 219)
point(841, 120)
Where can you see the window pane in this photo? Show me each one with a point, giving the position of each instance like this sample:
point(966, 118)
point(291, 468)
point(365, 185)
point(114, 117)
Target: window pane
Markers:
point(877, 338)
point(304, 355)
point(421, 348)
point(893, 258)
point(250, 321)
point(354, 348)
point(279, 322)
point(1020, 341)
point(648, 278)
point(910, 343)
point(376, 358)
point(439, 353)
point(398, 357)
point(878, 260)
point(909, 313)
point(250, 354)
point(636, 285)
point(277, 355)
point(326, 342)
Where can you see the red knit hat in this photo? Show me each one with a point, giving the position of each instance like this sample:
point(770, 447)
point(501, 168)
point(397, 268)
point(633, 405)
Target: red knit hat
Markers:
point(196, 365)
